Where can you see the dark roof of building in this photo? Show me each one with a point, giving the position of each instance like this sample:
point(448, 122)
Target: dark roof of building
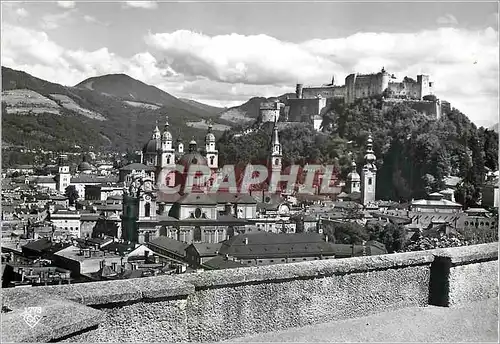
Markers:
point(118, 247)
point(265, 244)
point(23, 167)
point(269, 206)
point(44, 180)
point(196, 198)
point(137, 167)
point(132, 274)
point(90, 178)
point(206, 249)
point(227, 197)
point(39, 245)
point(219, 263)
point(167, 197)
point(170, 245)
point(308, 197)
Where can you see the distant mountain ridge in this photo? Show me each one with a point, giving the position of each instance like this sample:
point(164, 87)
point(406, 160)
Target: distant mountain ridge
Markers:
point(208, 108)
point(128, 88)
point(114, 111)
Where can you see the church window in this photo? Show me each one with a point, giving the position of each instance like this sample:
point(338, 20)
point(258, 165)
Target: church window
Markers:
point(369, 181)
point(147, 210)
point(197, 213)
point(197, 233)
point(168, 160)
point(277, 162)
point(212, 160)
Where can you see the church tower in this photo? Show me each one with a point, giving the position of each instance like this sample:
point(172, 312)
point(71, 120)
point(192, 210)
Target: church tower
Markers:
point(150, 151)
point(212, 154)
point(167, 158)
point(276, 154)
point(63, 175)
point(165, 172)
point(368, 174)
point(353, 180)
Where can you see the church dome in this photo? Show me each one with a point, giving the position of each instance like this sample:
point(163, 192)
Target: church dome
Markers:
point(210, 137)
point(166, 136)
point(353, 175)
point(84, 166)
point(150, 147)
point(193, 158)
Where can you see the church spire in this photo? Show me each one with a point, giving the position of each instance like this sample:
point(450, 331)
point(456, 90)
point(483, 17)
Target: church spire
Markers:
point(156, 131)
point(276, 153)
point(369, 154)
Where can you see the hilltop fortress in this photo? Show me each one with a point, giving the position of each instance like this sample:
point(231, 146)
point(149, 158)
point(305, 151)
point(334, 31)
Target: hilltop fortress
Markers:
point(312, 102)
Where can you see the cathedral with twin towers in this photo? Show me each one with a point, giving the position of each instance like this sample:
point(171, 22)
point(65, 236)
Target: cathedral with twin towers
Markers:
point(153, 206)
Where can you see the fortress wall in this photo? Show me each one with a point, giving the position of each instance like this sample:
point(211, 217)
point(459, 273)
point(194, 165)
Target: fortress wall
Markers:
point(430, 108)
point(302, 110)
point(269, 115)
point(324, 91)
point(219, 305)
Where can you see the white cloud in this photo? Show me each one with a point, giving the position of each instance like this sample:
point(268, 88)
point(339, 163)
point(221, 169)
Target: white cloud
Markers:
point(89, 19)
point(66, 4)
point(149, 5)
point(93, 20)
point(230, 69)
point(21, 12)
point(54, 21)
point(447, 19)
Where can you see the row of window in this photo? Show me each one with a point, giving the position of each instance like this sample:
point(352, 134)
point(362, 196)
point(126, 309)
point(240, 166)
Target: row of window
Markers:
point(282, 260)
point(478, 223)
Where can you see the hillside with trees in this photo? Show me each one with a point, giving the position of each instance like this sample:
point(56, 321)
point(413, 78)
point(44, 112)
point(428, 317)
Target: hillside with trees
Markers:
point(125, 126)
point(414, 152)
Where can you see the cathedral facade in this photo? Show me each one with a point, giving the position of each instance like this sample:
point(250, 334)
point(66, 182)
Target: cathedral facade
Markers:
point(152, 207)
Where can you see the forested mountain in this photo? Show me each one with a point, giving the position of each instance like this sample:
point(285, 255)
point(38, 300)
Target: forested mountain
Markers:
point(113, 111)
point(414, 152)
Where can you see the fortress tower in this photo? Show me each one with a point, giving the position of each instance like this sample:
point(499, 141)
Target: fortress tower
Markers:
point(298, 91)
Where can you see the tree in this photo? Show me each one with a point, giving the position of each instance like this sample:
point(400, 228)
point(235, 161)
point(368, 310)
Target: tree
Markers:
point(346, 232)
point(393, 236)
point(71, 193)
point(467, 194)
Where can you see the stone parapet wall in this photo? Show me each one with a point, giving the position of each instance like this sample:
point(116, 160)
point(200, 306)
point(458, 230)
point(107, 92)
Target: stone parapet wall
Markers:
point(218, 305)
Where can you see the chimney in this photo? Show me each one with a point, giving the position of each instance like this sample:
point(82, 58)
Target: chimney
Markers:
point(226, 256)
point(114, 266)
point(326, 238)
point(101, 264)
point(246, 241)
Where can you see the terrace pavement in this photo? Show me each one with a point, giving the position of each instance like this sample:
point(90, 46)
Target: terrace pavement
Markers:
point(471, 322)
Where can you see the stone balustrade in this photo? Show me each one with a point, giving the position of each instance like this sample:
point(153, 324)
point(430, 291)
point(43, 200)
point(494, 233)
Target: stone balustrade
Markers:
point(225, 304)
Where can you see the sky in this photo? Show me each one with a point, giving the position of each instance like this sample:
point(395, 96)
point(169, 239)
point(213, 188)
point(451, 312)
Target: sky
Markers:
point(223, 53)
